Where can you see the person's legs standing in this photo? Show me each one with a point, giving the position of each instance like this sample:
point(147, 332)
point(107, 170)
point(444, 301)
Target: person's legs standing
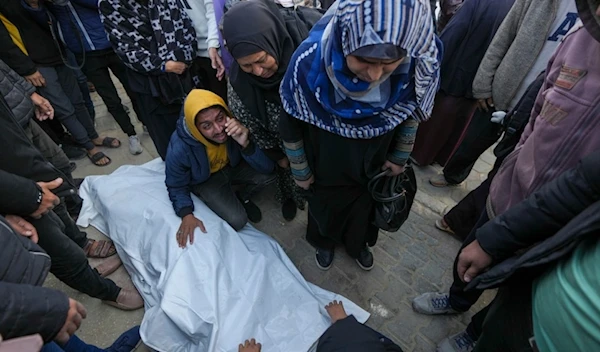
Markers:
point(161, 121)
point(68, 82)
point(480, 135)
point(63, 108)
point(83, 85)
point(96, 70)
point(508, 323)
point(202, 67)
point(464, 215)
point(217, 193)
point(120, 71)
point(69, 263)
point(457, 300)
point(461, 300)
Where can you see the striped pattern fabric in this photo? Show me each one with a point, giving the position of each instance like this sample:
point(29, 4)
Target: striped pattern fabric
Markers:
point(308, 93)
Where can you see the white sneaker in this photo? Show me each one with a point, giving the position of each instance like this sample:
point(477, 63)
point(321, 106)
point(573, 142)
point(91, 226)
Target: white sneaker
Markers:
point(135, 147)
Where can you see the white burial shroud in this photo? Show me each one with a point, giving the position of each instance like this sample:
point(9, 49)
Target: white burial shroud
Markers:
point(225, 288)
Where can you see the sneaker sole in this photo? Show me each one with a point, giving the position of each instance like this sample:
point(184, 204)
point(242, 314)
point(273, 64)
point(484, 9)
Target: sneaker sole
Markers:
point(324, 268)
point(365, 268)
point(426, 312)
point(136, 153)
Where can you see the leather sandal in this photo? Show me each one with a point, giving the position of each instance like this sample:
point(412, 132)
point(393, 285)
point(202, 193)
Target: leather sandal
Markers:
point(99, 249)
point(109, 266)
point(127, 300)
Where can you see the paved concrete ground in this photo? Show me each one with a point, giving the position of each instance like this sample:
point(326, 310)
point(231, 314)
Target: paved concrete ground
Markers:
point(416, 259)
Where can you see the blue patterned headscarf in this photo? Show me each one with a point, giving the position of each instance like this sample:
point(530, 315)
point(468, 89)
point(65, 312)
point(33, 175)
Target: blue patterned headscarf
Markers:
point(318, 87)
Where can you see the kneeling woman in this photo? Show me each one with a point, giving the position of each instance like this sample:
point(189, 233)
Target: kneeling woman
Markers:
point(354, 93)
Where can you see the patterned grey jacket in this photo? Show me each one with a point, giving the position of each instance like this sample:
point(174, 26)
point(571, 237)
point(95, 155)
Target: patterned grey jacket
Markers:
point(17, 92)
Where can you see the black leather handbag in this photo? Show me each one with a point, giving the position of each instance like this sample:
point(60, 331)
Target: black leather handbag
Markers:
point(394, 196)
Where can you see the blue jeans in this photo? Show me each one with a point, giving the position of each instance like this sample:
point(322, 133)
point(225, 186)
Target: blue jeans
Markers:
point(63, 92)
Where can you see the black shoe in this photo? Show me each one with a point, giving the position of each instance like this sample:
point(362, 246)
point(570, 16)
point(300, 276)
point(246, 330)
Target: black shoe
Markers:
point(365, 259)
point(252, 210)
point(73, 153)
point(289, 209)
point(324, 259)
point(73, 166)
point(78, 182)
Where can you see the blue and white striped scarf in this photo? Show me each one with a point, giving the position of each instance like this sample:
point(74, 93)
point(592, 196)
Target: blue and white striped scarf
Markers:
point(318, 86)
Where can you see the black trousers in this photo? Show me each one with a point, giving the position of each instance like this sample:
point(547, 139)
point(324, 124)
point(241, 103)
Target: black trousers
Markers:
point(96, 68)
point(481, 134)
point(202, 68)
point(218, 194)
point(506, 324)
point(160, 119)
point(69, 263)
point(460, 299)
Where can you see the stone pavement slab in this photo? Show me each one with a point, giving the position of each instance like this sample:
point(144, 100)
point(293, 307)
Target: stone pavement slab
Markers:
point(413, 260)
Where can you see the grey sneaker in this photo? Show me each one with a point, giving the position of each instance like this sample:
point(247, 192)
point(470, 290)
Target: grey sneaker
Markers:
point(433, 303)
point(135, 147)
point(461, 342)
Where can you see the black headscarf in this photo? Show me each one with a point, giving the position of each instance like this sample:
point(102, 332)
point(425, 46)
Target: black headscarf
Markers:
point(256, 25)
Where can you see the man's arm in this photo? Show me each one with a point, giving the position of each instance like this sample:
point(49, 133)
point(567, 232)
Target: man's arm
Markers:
point(213, 31)
point(16, 79)
point(543, 213)
point(18, 195)
point(482, 84)
point(27, 310)
point(258, 159)
point(178, 179)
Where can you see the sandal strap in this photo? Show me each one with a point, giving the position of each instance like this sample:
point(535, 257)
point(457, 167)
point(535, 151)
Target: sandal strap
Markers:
point(97, 157)
point(108, 142)
point(99, 248)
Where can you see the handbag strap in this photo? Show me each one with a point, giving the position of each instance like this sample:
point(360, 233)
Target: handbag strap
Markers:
point(392, 183)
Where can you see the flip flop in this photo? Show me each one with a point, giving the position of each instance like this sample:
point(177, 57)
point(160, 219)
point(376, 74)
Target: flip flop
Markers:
point(99, 249)
point(108, 143)
point(97, 157)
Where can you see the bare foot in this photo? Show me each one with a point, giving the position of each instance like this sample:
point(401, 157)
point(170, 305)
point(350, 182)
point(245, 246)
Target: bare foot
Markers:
point(100, 162)
point(250, 346)
point(336, 311)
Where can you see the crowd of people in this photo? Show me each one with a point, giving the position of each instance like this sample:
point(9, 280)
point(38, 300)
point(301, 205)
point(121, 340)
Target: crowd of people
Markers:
point(316, 98)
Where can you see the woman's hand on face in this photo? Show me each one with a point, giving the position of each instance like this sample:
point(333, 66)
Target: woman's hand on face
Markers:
point(394, 169)
point(306, 184)
point(175, 67)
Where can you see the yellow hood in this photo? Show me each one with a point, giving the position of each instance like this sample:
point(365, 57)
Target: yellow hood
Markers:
point(196, 101)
